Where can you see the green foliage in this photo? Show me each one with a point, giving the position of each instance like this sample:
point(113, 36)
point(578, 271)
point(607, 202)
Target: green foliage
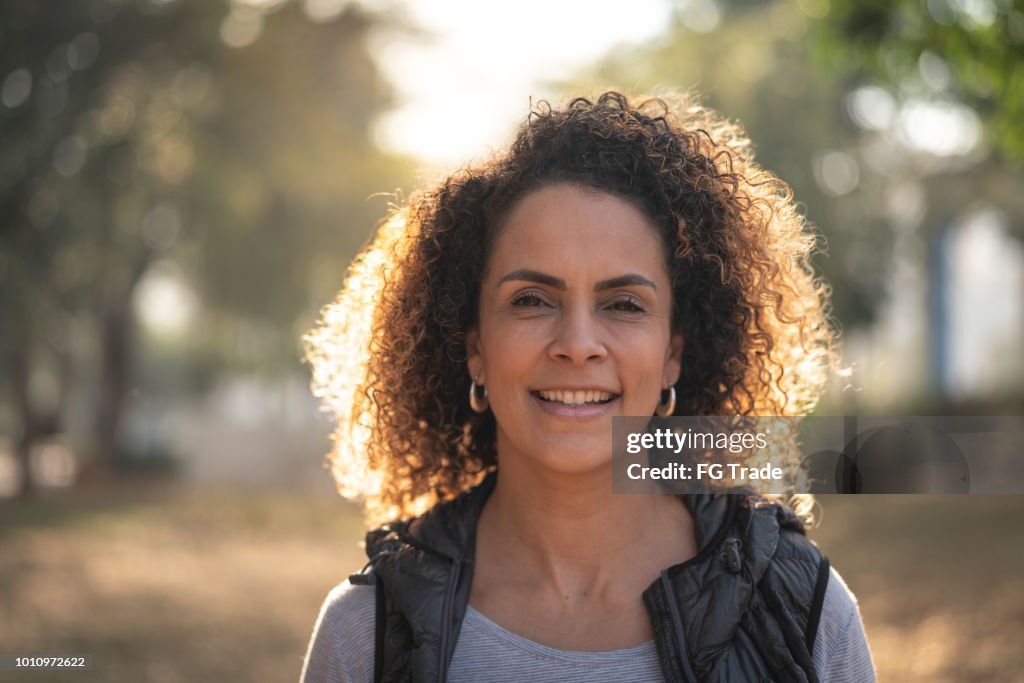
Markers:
point(233, 143)
point(970, 51)
point(263, 152)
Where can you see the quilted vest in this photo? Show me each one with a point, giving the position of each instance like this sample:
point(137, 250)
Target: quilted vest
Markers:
point(745, 608)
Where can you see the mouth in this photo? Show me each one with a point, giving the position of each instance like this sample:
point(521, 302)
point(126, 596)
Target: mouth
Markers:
point(576, 399)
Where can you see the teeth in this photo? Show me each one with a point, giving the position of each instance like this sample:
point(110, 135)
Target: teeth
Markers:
point(575, 398)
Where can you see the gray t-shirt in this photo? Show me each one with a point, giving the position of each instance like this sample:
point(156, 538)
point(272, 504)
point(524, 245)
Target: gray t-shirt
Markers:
point(342, 647)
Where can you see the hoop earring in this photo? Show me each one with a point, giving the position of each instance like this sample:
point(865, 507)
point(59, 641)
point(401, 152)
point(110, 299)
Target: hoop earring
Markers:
point(666, 408)
point(477, 402)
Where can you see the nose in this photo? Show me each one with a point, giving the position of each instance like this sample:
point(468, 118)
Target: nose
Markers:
point(577, 338)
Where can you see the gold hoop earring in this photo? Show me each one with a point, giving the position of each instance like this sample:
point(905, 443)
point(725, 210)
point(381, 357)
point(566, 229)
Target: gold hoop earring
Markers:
point(477, 402)
point(666, 408)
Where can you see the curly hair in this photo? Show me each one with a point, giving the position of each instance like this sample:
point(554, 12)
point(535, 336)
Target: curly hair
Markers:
point(388, 355)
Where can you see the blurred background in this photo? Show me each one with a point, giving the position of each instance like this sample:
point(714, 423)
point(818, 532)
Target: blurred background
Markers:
point(183, 184)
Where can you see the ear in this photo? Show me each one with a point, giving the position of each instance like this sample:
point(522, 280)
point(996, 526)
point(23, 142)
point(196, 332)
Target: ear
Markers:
point(474, 355)
point(673, 360)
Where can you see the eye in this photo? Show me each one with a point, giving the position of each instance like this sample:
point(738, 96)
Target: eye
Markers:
point(528, 300)
point(627, 305)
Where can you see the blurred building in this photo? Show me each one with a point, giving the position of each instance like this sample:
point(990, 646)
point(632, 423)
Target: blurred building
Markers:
point(953, 325)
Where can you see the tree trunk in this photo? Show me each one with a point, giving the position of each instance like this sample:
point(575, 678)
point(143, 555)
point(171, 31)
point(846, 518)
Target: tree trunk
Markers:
point(115, 380)
point(117, 362)
point(27, 418)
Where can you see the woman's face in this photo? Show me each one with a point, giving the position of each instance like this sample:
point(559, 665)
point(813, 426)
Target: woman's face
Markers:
point(574, 326)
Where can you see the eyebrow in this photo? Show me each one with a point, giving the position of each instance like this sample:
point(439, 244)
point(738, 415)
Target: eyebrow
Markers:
point(527, 275)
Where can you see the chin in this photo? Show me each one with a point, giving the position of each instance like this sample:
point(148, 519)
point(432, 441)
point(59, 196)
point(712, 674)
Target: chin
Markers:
point(577, 458)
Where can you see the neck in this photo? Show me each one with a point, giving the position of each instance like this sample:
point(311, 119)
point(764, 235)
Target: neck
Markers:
point(572, 533)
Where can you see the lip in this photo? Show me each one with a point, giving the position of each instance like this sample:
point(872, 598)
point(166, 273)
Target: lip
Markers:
point(586, 411)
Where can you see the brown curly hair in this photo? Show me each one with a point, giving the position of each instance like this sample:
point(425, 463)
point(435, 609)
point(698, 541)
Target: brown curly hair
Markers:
point(389, 354)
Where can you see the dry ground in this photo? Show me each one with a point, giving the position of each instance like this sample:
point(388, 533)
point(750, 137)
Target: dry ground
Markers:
point(171, 587)
point(168, 586)
point(940, 581)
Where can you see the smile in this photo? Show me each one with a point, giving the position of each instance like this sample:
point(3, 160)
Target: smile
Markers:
point(575, 398)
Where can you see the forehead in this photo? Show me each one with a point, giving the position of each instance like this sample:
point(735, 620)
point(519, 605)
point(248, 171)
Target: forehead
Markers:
point(565, 228)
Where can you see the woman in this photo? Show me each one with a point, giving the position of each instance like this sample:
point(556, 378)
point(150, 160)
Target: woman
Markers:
point(618, 259)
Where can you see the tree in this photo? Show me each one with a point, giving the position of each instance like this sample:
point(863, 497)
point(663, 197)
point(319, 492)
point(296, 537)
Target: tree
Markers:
point(230, 139)
point(971, 52)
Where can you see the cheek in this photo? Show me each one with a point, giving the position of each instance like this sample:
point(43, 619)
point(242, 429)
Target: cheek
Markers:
point(509, 351)
point(642, 363)
point(642, 347)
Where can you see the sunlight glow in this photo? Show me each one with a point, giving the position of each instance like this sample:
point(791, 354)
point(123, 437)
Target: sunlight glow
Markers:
point(241, 27)
point(464, 87)
point(837, 172)
point(940, 128)
point(871, 107)
point(163, 300)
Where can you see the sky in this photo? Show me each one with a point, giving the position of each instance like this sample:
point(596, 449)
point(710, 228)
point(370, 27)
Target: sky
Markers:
point(492, 58)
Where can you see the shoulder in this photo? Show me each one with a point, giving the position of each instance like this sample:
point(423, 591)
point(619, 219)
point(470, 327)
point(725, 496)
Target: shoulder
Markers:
point(794, 571)
point(342, 645)
point(445, 529)
point(841, 649)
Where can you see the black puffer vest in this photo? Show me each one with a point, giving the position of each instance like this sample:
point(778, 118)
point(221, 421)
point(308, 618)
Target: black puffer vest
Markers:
point(745, 608)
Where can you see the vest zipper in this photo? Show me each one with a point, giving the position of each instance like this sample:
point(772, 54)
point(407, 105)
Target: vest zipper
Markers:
point(677, 626)
point(446, 624)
